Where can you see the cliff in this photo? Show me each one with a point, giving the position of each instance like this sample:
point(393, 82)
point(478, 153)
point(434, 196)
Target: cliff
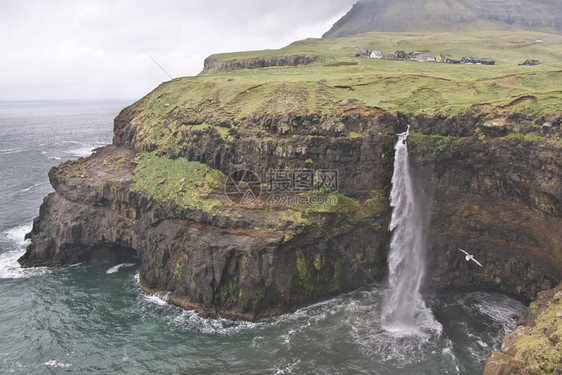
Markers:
point(439, 15)
point(535, 345)
point(212, 65)
point(253, 192)
point(264, 258)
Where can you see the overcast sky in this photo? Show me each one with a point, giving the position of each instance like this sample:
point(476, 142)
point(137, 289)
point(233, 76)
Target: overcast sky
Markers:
point(98, 49)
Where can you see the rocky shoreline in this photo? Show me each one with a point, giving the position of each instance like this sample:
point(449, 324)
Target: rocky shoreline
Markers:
point(535, 345)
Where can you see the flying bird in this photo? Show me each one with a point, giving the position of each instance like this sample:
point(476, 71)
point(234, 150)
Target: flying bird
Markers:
point(470, 257)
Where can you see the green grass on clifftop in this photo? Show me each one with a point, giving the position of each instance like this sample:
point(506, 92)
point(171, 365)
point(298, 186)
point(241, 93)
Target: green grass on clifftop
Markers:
point(187, 183)
point(406, 86)
point(208, 105)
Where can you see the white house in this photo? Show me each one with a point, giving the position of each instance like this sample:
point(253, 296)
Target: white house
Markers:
point(423, 58)
point(376, 55)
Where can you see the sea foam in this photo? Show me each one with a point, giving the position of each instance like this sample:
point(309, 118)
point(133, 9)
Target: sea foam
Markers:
point(56, 364)
point(17, 234)
point(9, 266)
point(116, 268)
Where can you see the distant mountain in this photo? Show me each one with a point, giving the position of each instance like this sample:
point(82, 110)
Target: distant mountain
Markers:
point(449, 15)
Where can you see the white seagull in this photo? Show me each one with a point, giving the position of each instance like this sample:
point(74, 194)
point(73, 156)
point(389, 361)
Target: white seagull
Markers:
point(470, 257)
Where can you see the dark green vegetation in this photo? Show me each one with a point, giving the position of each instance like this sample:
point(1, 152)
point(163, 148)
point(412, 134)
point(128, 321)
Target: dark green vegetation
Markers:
point(446, 15)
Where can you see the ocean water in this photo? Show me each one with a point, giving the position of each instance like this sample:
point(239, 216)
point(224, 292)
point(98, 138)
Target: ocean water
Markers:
point(93, 319)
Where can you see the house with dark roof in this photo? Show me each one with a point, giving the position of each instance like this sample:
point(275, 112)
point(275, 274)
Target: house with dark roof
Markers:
point(530, 63)
point(400, 55)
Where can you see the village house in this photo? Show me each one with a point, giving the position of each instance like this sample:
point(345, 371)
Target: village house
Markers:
point(400, 55)
point(471, 60)
point(414, 55)
point(363, 53)
point(424, 58)
point(530, 63)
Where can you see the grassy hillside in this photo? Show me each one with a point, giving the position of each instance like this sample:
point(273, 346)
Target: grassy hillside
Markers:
point(211, 109)
point(332, 85)
point(209, 104)
point(406, 86)
point(504, 47)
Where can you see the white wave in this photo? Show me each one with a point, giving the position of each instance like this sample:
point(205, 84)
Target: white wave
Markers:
point(482, 344)
point(116, 268)
point(287, 338)
point(160, 299)
point(9, 151)
point(303, 318)
point(448, 351)
point(257, 342)
point(29, 188)
point(503, 310)
point(11, 269)
point(288, 368)
point(17, 234)
point(9, 266)
point(81, 152)
point(55, 364)
point(209, 326)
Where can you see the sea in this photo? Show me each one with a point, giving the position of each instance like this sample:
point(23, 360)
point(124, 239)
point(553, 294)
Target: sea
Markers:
point(92, 318)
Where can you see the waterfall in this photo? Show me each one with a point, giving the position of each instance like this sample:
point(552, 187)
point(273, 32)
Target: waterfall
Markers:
point(406, 258)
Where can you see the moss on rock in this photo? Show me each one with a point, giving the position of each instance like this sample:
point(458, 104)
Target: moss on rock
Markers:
point(535, 346)
point(184, 182)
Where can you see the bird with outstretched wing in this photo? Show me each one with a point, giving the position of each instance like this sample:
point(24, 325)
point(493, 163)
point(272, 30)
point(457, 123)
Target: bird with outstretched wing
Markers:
point(470, 257)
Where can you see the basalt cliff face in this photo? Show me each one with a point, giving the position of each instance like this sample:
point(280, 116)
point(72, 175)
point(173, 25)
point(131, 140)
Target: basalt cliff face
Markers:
point(490, 181)
point(212, 65)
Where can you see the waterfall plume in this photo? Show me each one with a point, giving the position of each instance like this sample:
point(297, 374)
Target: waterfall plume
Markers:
point(407, 247)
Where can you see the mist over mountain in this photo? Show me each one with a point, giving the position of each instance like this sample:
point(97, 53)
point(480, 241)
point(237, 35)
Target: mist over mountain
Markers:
point(449, 15)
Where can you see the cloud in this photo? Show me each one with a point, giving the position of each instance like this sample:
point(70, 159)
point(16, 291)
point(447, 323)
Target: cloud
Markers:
point(81, 49)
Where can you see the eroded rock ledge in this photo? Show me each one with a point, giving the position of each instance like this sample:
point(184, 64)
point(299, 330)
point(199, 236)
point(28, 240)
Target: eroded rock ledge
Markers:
point(212, 65)
point(535, 345)
point(239, 263)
